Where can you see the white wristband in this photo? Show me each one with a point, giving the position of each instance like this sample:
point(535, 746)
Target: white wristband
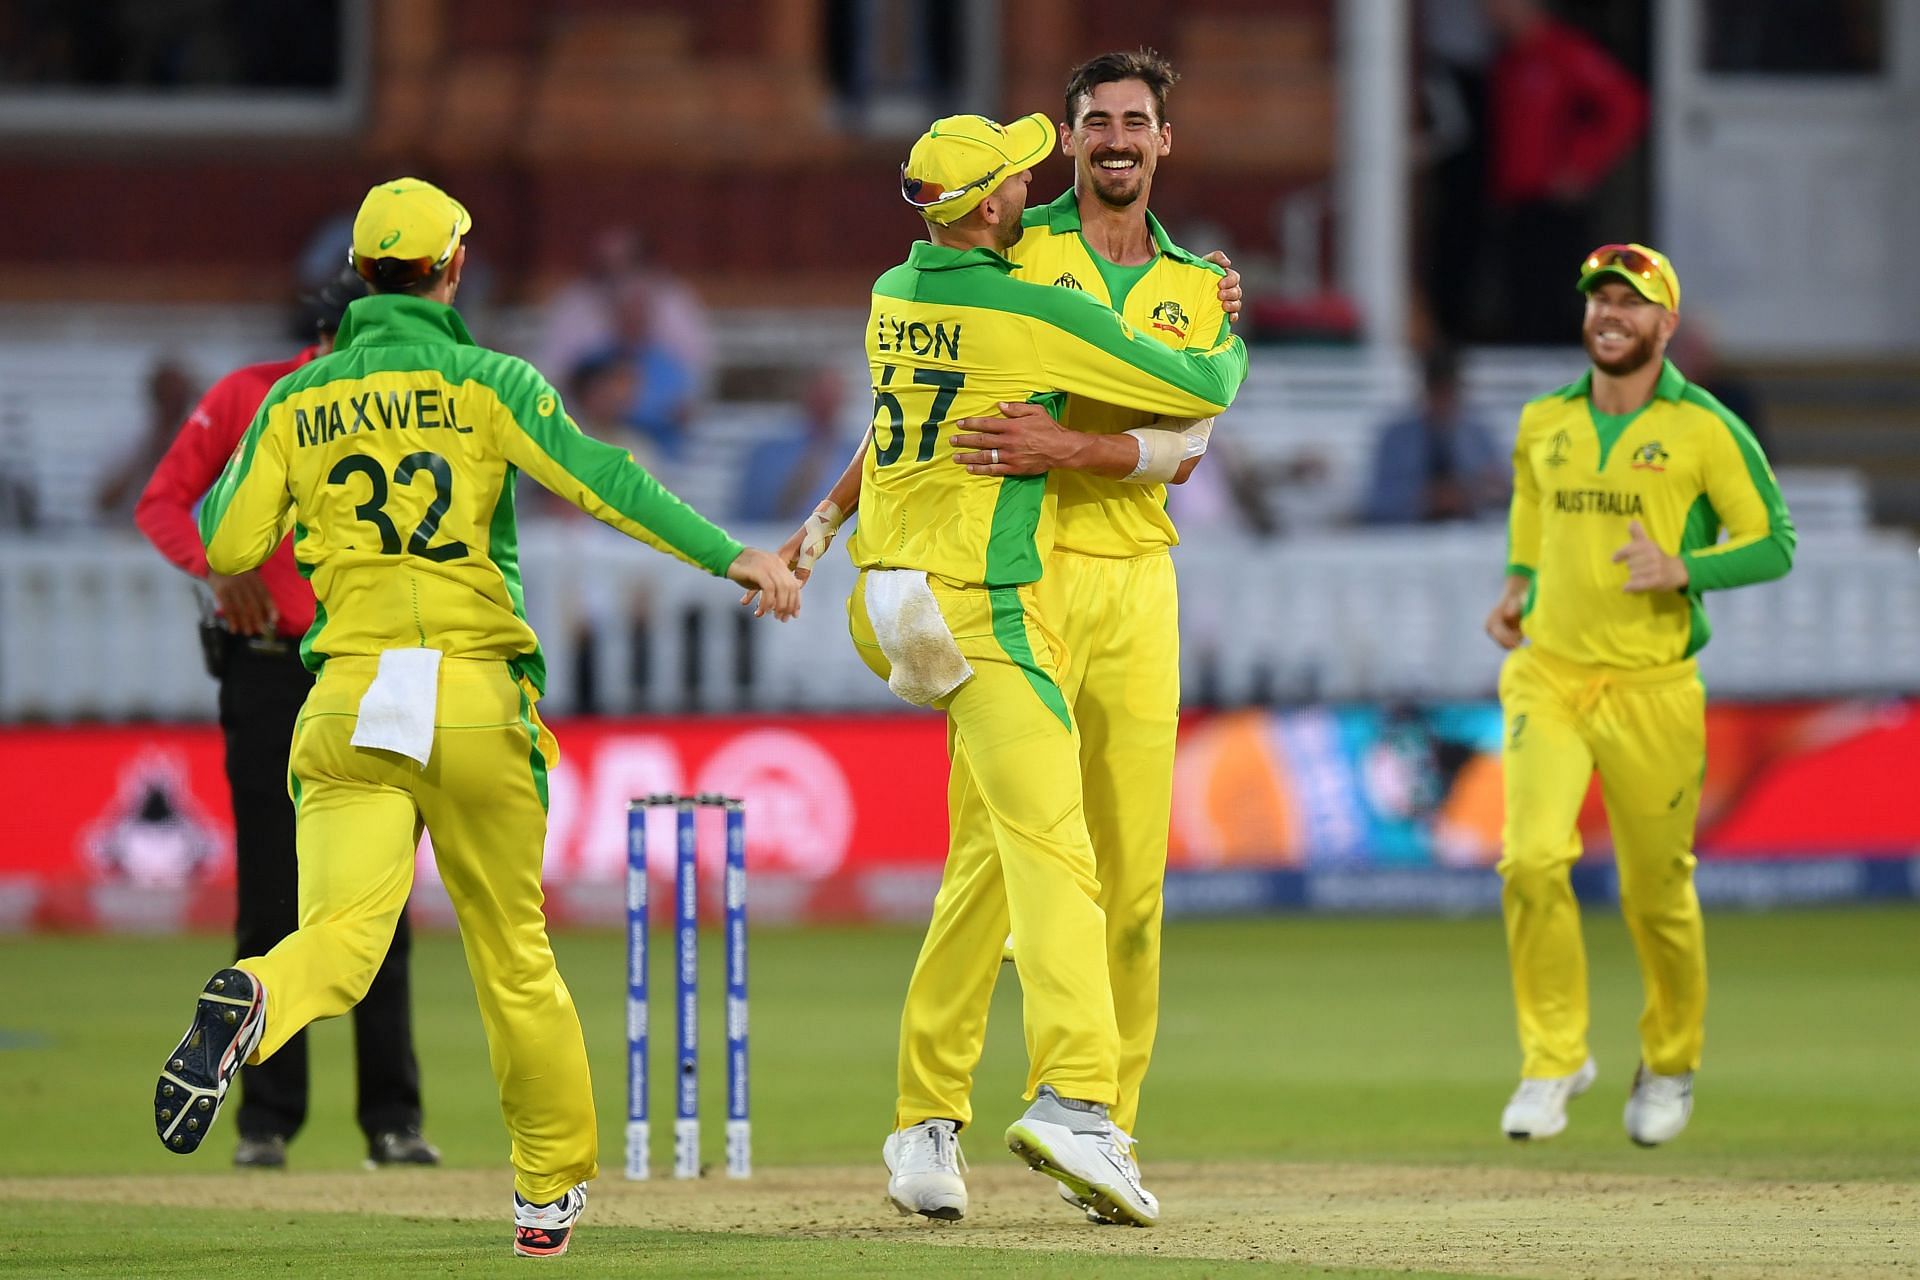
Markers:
point(818, 534)
point(1167, 445)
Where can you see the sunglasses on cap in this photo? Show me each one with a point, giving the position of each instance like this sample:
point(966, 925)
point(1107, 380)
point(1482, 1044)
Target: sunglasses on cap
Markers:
point(1631, 260)
point(416, 268)
point(924, 193)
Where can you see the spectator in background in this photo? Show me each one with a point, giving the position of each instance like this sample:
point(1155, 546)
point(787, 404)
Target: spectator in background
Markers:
point(782, 475)
point(1561, 115)
point(665, 387)
point(170, 389)
point(581, 319)
point(1437, 463)
point(599, 391)
point(1456, 51)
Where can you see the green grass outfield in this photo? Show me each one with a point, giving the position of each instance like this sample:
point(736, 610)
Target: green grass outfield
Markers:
point(1292, 1041)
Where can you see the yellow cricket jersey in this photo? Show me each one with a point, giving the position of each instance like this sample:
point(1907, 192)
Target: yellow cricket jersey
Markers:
point(951, 335)
point(395, 460)
point(1174, 299)
point(1685, 468)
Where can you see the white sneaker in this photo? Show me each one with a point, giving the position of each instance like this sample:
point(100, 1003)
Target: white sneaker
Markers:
point(925, 1163)
point(1080, 1202)
point(545, 1230)
point(1538, 1108)
point(1659, 1106)
point(1074, 1143)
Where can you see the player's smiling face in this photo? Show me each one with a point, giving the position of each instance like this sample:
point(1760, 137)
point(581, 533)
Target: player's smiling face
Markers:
point(1623, 330)
point(1116, 139)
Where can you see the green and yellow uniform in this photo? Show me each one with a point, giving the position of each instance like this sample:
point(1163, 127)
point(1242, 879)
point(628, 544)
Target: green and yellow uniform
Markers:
point(1608, 681)
point(1109, 594)
point(394, 460)
point(951, 335)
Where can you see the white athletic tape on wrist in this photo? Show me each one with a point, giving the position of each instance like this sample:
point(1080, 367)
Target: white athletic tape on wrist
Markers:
point(1167, 445)
point(817, 533)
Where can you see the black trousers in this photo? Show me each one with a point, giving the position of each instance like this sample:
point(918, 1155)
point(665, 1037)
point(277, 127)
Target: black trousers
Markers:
point(260, 697)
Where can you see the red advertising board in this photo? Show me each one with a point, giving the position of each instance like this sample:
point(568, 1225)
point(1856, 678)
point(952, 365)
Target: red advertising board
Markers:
point(129, 827)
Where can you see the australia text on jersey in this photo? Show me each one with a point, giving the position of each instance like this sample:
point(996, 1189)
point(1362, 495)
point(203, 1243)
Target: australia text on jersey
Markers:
point(1597, 502)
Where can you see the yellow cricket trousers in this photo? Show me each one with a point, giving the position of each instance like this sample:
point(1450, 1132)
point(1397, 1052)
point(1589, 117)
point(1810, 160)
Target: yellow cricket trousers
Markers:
point(1011, 721)
point(1119, 619)
point(483, 795)
point(1645, 731)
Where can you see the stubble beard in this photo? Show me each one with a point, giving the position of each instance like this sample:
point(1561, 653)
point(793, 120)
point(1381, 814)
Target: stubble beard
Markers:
point(1122, 197)
point(1635, 360)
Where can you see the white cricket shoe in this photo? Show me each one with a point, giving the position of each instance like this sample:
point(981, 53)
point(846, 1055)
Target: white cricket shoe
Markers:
point(545, 1230)
point(925, 1163)
point(1080, 1202)
point(1659, 1106)
point(1538, 1108)
point(1074, 1143)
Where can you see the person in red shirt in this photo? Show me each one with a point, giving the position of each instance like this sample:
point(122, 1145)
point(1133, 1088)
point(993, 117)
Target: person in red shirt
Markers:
point(253, 649)
point(1561, 115)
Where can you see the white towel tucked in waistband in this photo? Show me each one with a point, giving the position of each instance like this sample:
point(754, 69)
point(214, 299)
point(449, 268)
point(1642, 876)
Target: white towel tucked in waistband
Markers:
point(398, 709)
point(927, 664)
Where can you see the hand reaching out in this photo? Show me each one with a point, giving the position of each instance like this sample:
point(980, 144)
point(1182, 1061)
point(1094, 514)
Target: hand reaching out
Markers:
point(771, 586)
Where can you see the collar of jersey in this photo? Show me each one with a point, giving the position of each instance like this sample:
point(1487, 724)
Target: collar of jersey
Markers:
point(1062, 217)
point(1670, 386)
point(399, 319)
point(926, 256)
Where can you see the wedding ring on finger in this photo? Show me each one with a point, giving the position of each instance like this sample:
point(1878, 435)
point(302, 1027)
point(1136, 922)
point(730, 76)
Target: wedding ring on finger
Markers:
point(995, 455)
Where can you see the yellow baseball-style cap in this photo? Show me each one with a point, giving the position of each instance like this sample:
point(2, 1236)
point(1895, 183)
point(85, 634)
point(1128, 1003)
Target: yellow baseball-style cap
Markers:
point(1647, 270)
point(411, 220)
point(961, 160)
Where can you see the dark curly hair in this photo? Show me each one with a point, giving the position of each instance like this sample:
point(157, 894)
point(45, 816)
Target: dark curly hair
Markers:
point(1145, 65)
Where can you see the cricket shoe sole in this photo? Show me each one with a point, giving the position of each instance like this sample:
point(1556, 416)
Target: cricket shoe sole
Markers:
point(228, 1021)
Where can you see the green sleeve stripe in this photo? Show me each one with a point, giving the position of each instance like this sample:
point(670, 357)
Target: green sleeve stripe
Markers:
point(1010, 629)
point(610, 474)
point(214, 509)
point(1718, 568)
point(1520, 570)
point(1213, 376)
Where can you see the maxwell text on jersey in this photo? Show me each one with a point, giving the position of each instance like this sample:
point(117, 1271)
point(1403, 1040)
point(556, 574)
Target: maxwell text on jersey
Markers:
point(421, 408)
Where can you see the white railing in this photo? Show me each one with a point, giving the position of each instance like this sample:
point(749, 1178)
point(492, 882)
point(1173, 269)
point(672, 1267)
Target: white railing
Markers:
point(96, 626)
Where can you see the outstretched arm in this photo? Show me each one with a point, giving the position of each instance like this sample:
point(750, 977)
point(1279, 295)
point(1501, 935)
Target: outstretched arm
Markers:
point(811, 540)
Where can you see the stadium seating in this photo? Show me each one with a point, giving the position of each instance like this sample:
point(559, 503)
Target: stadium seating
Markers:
point(94, 624)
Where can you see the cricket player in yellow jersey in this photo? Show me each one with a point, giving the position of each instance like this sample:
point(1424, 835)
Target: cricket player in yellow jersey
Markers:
point(1624, 483)
point(394, 460)
point(1108, 590)
point(945, 610)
